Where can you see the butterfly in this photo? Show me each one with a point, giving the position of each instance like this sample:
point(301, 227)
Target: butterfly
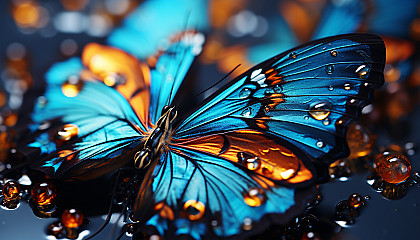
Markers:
point(246, 158)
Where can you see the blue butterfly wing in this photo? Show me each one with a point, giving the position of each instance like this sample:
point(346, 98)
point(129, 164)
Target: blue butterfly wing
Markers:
point(336, 74)
point(143, 30)
point(340, 17)
point(181, 176)
point(107, 127)
point(171, 69)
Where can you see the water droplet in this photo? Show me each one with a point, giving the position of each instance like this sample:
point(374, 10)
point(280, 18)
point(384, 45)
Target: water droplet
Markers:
point(247, 224)
point(41, 101)
point(363, 71)
point(72, 86)
point(244, 93)
point(366, 84)
point(67, 132)
point(331, 88)
point(356, 200)
point(278, 89)
point(292, 55)
point(194, 209)
point(347, 86)
point(249, 161)
point(359, 140)
point(326, 122)
point(324, 48)
point(393, 167)
point(306, 117)
point(367, 197)
point(320, 111)
point(329, 69)
point(246, 112)
point(255, 197)
point(334, 53)
point(114, 79)
point(320, 144)
point(72, 218)
point(11, 191)
point(44, 194)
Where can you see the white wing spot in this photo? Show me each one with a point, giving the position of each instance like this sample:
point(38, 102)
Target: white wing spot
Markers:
point(256, 76)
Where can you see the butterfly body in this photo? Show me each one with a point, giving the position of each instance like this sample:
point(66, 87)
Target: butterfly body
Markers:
point(157, 140)
point(246, 158)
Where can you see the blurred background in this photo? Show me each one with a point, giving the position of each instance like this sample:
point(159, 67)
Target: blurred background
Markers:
point(37, 33)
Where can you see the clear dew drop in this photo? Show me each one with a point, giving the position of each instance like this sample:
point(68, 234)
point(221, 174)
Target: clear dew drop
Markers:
point(326, 122)
point(292, 55)
point(246, 112)
point(331, 88)
point(306, 117)
point(347, 86)
point(320, 111)
point(320, 144)
point(363, 71)
point(278, 89)
point(334, 53)
point(329, 69)
point(244, 93)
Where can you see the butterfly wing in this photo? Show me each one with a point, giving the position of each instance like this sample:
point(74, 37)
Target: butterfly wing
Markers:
point(143, 30)
point(340, 17)
point(171, 69)
point(246, 157)
point(203, 196)
point(306, 96)
point(81, 128)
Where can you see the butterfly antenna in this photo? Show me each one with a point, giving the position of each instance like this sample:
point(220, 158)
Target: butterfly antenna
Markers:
point(108, 217)
point(218, 82)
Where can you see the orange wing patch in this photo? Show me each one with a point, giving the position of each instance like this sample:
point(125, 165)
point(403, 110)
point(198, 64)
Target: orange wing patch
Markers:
point(123, 71)
point(255, 151)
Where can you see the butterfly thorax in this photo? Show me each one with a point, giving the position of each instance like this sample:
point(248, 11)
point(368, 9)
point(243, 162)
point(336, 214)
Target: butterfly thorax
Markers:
point(157, 139)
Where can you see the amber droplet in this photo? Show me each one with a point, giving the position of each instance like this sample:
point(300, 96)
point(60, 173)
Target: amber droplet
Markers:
point(72, 86)
point(11, 191)
point(249, 161)
point(72, 218)
point(255, 197)
point(393, 167)
point(360, 141)
point(114, 79)
point(67, 132)
point(44, 193)
point(334, 53)
point(194, 209)
point(355, 200)
point(320, 111)
point(66, 154)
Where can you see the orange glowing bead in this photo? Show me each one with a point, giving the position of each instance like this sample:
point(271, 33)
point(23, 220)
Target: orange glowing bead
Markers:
point(44, 194)
point(72, 86)
point(355, 200)
point(194, 209)
point(72, 218)
point(360, 141)
point(11, 191)
point(393, 167)
point(66, 154)
point(67, 132)
point(255, 197)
